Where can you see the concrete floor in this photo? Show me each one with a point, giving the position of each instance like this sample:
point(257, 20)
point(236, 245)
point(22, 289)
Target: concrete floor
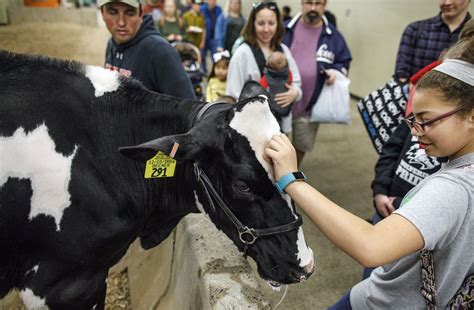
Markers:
point(341, 166)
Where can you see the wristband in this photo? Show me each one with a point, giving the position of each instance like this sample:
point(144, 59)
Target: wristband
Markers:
point(289, 178)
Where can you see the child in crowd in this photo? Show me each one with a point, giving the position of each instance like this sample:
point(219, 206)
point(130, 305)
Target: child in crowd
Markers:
point(195, 25)
point(436, 217)
point(170, 24)
point(217, 82)
point(276, 76)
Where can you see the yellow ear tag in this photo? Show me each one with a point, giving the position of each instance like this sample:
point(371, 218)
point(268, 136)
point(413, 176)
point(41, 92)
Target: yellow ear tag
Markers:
point(160, 166)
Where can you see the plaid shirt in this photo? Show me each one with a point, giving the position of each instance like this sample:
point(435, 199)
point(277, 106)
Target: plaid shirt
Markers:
point(422, 43)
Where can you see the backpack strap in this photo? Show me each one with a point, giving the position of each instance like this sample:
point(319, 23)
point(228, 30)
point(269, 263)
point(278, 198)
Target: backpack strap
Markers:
point(464, 297)
point(428, 289)
point(259, 57)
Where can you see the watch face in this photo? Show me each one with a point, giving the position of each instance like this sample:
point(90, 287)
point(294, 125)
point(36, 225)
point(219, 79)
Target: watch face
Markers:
point(299, 175)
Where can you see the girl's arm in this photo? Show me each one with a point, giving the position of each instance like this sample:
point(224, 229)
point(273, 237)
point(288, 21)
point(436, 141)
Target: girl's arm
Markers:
point(370, 245)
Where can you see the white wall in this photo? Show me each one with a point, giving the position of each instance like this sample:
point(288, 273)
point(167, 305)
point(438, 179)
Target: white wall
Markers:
point(372, 29)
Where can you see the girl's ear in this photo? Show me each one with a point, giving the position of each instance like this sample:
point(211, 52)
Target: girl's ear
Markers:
point(470, 119)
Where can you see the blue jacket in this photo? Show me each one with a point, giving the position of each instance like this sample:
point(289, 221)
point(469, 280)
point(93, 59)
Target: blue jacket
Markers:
point(331, 52)
point(210, 27)
point(220, 30)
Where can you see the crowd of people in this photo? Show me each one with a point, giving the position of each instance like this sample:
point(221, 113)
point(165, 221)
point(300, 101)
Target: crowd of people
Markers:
point(428, 209)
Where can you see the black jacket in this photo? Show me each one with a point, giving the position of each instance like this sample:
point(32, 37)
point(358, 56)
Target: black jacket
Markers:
point(149, 58)
point(401, 165)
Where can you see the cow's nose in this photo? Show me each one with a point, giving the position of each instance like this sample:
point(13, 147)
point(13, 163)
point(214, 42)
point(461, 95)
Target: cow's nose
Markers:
point(301, 276)
point(310, 267)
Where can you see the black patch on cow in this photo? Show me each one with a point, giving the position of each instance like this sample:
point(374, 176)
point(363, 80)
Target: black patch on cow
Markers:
point(111, 202)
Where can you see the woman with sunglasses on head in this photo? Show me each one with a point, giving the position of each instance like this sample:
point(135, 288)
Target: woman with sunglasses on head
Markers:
point(425, 247)
point(263, 35)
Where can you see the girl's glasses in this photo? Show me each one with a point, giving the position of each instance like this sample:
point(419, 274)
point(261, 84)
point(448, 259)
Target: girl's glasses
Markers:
point(420, 126)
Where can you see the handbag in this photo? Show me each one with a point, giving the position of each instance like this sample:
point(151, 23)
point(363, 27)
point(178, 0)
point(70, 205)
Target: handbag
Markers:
point(464, 297)
point(382, 111)
point(333, 104)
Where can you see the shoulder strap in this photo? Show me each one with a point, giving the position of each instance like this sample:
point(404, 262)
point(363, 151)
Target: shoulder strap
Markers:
point(463, 298)
point(428, 289)
point(259, 57)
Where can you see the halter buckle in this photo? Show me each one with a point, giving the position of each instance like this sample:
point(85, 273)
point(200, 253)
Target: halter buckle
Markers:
point(245, 231)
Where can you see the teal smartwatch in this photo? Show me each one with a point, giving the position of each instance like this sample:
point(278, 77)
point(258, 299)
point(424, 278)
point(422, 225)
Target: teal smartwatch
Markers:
point(289, 178)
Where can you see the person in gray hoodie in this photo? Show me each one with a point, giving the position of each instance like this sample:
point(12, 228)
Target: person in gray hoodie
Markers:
point(138, 50)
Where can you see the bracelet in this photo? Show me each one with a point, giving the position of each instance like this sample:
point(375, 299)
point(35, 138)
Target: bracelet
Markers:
point(289, 178)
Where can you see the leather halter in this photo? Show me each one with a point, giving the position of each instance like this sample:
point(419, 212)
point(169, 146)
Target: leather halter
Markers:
point(247, 234)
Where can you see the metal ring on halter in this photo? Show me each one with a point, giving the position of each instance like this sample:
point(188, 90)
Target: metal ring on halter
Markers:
point(247, 231)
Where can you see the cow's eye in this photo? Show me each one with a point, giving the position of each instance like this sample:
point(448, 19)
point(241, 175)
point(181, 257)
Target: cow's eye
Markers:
point(242, 187)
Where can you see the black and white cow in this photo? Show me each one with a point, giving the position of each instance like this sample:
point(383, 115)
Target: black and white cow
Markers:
point(71, 204)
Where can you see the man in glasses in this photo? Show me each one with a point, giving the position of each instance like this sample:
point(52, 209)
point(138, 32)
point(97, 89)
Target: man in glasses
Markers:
point(310, 30)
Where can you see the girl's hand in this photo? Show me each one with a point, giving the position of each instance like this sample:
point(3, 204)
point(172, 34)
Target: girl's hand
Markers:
point(286, 98)
point(384, 205)
point(282, 155)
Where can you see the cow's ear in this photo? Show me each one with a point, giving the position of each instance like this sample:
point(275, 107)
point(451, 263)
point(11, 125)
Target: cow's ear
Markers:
point(186, 148)
point(252, 89)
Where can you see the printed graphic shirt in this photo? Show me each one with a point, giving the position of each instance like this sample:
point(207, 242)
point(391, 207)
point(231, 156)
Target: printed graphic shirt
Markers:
point(402, 165)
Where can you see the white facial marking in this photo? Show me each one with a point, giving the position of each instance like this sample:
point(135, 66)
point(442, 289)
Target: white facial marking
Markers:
point(257, 123)
point(33, 156)
point(199, 204)
point(32, 301)
point(305, 254)
point(34, 269)
point(103, 80)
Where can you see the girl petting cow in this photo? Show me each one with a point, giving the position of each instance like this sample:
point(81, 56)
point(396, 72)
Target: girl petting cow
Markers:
point(425, 247)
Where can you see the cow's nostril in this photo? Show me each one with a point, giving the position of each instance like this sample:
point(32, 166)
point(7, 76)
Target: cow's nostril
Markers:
point(299, 276)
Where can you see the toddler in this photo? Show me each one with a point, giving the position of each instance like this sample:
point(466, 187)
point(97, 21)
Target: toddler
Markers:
point(218, 78)
point(275, 77)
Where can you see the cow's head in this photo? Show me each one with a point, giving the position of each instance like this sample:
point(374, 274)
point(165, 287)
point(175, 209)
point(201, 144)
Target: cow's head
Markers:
point(228, 145)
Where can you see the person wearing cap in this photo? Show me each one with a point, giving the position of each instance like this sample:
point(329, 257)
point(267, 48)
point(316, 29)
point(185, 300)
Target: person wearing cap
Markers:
point(137, 49)
point(309, 30)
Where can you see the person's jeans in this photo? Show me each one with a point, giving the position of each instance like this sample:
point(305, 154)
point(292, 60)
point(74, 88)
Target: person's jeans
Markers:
point(343, 304)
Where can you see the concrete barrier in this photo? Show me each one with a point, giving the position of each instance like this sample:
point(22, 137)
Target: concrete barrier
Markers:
point(197, 267)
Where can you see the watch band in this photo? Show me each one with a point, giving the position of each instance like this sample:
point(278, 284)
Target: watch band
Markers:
point(289, 178)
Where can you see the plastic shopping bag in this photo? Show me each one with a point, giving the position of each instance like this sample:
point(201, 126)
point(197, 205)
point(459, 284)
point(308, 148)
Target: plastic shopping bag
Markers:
point(333, 105)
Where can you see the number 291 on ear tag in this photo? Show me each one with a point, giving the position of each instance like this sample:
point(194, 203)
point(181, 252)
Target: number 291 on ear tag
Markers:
point(160, 166)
